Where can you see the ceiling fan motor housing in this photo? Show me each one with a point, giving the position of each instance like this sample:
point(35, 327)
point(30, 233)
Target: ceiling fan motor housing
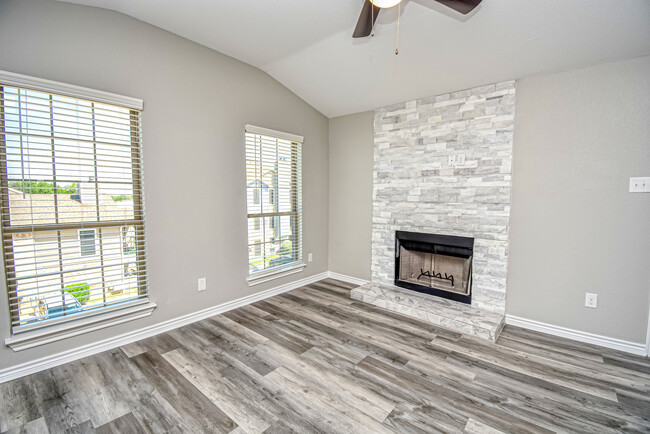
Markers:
point(385, 3)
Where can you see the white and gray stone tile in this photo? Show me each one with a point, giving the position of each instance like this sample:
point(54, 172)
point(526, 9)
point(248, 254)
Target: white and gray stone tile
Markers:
point(415, 189)
point(459, 317)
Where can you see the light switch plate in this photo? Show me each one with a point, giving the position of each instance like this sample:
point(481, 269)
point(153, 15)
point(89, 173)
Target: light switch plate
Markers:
point(202, 284)
point(640, 185)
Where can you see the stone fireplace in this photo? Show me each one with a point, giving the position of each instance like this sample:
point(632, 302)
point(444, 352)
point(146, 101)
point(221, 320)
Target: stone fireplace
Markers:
point(434, 264)
point(443, 165)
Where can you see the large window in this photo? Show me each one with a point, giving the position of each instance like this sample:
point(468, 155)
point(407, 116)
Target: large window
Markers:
point(72, 209)
point(274, 199)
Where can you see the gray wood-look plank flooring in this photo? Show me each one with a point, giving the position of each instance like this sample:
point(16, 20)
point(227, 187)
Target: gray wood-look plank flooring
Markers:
point(313, 360)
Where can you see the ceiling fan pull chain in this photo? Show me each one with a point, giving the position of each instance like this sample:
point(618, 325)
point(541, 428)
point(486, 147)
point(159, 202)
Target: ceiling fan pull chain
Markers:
point(399, 12)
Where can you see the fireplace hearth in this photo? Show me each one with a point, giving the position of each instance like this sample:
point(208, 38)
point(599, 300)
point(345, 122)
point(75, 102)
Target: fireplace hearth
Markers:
point(439, 265)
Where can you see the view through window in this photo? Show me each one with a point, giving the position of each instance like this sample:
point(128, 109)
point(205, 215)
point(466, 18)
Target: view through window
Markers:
point(72, 209)
point(274, 199)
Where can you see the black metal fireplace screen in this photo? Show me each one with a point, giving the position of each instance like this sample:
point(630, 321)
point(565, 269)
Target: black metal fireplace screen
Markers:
point(439, 265)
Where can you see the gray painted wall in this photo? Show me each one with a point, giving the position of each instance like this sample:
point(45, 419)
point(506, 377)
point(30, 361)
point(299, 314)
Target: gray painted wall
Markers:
point(579, 136)
point(350, 206)
point(197, 102)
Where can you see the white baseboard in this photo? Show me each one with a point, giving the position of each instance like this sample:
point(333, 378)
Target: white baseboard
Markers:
point(616, 344)
point(345, 278)
point(47, 362)
point(647, 339)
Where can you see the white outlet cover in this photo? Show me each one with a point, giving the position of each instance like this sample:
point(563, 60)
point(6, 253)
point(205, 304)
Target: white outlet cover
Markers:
point(451, 160)
point(640, 185)
point(309, 257)
point(591, 300)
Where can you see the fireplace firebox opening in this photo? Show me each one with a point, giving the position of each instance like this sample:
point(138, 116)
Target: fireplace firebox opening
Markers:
point(439, 265)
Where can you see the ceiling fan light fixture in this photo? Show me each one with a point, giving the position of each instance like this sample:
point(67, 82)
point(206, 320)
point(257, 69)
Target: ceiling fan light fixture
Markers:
point(385, 3)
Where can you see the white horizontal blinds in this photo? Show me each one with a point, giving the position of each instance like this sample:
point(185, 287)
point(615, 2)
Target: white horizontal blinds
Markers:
point(274, 200)
point(71, 208)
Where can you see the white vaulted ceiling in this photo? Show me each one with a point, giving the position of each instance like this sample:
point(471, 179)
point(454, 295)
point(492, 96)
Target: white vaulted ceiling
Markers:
point(307, 44)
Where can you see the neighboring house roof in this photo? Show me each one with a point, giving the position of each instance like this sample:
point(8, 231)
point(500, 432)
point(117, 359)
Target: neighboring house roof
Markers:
point(258, 183)
point(40, 208)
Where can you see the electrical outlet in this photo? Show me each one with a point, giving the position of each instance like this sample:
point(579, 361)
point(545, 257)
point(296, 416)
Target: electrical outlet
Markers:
point(202, 286)
point(451, 160)
point(640, 185)
point(310, 257)
point(591, 300)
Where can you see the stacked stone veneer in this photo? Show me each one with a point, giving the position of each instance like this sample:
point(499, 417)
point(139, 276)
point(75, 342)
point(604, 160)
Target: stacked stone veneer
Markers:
point(416, 190)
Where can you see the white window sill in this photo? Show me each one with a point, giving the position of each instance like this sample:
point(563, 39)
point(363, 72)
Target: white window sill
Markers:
point(265, 276)
point(32, 338)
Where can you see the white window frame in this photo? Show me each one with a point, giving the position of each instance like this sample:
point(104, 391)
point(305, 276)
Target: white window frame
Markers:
point(294, 267)
point(83, 322)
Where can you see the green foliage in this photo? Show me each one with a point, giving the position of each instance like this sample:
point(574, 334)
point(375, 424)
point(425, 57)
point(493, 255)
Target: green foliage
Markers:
point(80, 291)
point(286, 248)
point(120, 198)
point(36, 187)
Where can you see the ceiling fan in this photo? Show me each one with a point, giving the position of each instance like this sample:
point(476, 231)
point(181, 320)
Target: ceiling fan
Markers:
point(371, 10)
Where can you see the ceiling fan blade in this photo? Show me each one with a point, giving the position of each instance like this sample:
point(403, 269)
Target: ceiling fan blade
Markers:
point(462, 6)
point(364, 25)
